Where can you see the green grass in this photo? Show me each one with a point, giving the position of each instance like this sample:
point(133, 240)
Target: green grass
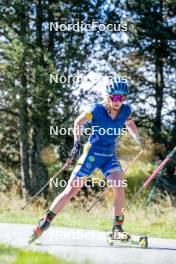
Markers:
point(158, 220)
point(11, 255)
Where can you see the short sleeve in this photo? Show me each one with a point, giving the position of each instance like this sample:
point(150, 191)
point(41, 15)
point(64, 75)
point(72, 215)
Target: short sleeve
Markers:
point(92, 111)
point(129, 111)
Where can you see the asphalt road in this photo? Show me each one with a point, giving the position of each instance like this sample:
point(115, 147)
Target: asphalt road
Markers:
point(80, 245)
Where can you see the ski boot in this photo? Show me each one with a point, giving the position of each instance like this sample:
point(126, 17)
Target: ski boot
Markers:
point(117, 230)
point(119, 234)
point(42, 226)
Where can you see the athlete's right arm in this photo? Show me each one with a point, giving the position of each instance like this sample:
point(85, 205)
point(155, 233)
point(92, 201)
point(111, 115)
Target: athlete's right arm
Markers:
point(80, 120)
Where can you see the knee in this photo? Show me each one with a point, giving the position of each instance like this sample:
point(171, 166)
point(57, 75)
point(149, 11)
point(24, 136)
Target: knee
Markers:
point(116, 180)
point(118, 187)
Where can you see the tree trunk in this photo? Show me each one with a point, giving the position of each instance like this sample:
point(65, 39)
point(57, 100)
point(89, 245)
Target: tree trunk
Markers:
point(39, 113)
point(159, 88)
point(23, 114)
point(159, 100)
point(51, 33)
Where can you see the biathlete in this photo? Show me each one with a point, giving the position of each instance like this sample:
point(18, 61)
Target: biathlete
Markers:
point(99, 152)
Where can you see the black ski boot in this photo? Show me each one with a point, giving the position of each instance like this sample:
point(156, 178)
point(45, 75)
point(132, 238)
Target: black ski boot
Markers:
point(117, 230)
point(42, 226)
point(119, 233)
point(38, 230)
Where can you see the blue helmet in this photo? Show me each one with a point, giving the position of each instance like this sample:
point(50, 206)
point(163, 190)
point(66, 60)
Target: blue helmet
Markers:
point(117, 86)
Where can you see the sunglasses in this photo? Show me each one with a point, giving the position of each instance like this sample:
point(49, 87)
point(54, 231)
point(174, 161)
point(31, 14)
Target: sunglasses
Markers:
point(115, 98)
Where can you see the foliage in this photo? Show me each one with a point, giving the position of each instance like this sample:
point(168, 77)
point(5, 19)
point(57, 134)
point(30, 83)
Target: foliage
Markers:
point(12, 255)
point(30, 104)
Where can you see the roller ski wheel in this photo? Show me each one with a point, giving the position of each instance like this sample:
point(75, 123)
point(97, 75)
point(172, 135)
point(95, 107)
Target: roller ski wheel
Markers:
point(110, 239)
point(43, 225)
point(143, 242)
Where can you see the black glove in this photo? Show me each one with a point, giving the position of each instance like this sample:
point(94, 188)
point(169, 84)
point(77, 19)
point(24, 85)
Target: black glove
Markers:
point(76, 150)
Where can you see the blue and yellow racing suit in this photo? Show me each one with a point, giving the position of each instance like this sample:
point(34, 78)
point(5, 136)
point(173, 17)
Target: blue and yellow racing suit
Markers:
point(100, 150)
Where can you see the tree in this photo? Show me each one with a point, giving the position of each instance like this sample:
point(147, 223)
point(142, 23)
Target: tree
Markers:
point(29, 53)
point(147, 57)
point(151, 61)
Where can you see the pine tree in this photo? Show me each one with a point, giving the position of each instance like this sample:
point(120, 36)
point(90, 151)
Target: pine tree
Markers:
point(147, 57)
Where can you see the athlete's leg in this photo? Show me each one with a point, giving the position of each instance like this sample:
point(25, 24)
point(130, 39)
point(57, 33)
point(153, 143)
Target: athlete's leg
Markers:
point(73, 186)
point(116, 179)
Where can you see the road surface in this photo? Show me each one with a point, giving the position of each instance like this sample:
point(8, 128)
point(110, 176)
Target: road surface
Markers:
point(80, 245)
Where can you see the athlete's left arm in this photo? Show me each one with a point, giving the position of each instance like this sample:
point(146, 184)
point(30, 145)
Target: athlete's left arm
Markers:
point(133, 130)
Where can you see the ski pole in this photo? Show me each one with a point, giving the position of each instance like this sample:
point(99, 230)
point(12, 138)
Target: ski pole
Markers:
point(65, 166)
point(125, 170)
point(154, 174)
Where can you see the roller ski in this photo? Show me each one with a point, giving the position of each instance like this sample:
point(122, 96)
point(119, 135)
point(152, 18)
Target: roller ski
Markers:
point(42, 226)
point(119, 236)
point(142, 242)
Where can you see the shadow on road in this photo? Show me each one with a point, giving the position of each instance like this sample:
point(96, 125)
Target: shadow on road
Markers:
point(106, 246)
